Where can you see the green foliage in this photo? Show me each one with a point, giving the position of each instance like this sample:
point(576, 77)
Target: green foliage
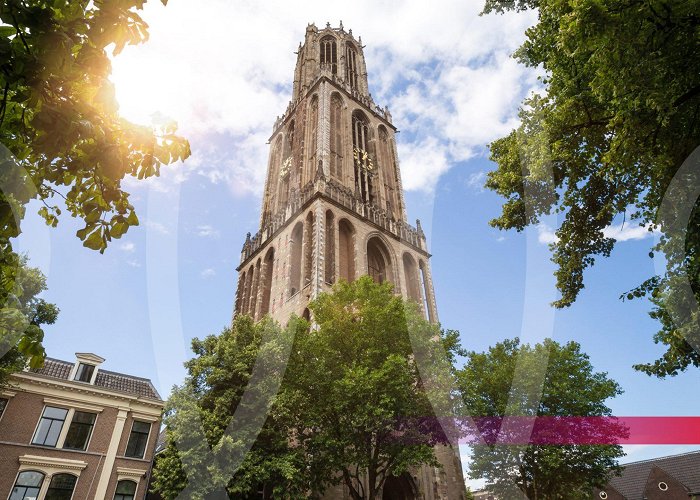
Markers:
point(218, 377)
point(355, 382)
point(60, 124)
point(352, 402)
point(619, 118)
point(571, 388)
point(21, 345)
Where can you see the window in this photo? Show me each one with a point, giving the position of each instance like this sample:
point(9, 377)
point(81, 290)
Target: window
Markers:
point(27, 486)
point(3, 405)
point(61, 487)
point(663, 486)
point(80, 430)
point(136, 446)
point(351, 65)
point(329, 56)
point(50, 426)
point(125, 490)
point(84, 372)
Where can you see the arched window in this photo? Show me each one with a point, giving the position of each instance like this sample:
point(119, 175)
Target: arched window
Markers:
point(126, 490)
point(346, 250)
point(379, 261)
point(267, 282)
point(248, 291)
point(61, 487)
point(427, 295)
point(27, 485)
point(329, 55)
point(388, 169)
point(254, 290)
point(312, 126)
point(273, 183)
point(240, 295)
point(351, 65)
point(295, 259)
point(308, 247)
point(287, 166)
point(411, 278)
point(306, 314)
point(364, 167)
point(329, 270)
point(336, 137)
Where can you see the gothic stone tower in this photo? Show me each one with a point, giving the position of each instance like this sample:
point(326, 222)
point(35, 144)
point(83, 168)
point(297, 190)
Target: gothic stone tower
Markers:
point(333, 208)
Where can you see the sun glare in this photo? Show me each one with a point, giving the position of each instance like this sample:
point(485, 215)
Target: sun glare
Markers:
point(145, 97)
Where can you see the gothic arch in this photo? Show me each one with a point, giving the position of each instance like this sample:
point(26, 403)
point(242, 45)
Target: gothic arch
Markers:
point(329, 54)
point(247, 293)
point(401, 487)
point(351, 65)
point(362, 146)
point(410, 270)
point(329, 239)
point(336, 136)
point(379, 261)
point(295, 258)
point(427, 291)
point(266, 281)
point(308, 247)
point(387, 168)
point(346, 250)
point(312, 137)
point(254, 289)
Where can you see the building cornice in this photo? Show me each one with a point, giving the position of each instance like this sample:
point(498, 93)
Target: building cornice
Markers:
point(52, 462)
point(32, 382)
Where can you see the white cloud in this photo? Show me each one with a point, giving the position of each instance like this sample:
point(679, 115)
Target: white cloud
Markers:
point(628, 232)
point(445, 73)
point(208, 273)
point(127, 247)
point(207, 231)
point(133, 263)
point(157, 227)
point(476, 181)
point(546, 235)
point(620, 232)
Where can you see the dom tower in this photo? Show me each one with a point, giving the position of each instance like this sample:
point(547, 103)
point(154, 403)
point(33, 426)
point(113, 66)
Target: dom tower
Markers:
point(333, 208)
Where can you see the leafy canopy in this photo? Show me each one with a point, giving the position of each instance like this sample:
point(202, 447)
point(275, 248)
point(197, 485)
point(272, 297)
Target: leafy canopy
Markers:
point(571, 388)
point(352, 403)
point(363, 402)
point(619, 117)
point(61, 136)
point(21, 345)
point(218, 377)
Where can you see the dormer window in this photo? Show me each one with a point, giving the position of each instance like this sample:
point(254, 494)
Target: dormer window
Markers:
point(84, 372)
point(86, 367)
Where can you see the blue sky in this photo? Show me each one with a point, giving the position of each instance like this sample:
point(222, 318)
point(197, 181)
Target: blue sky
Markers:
point(224, 70)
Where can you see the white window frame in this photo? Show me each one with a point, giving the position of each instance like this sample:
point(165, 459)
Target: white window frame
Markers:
point(50, 466)
point(71, 407)
point(145, 420)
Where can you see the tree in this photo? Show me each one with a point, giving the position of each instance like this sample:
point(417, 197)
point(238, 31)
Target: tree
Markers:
point(218, 376)
point(619, 118)
point(571, 388)
point(352, 403)
point(22, 346)
point(361, 400)
point(60, 124)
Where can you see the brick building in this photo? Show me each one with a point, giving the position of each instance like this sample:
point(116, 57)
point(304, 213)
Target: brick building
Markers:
point(333, 207)
point(73, 430)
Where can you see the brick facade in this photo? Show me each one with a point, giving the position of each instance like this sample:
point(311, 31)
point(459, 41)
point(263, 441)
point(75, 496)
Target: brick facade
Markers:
point(102, 463)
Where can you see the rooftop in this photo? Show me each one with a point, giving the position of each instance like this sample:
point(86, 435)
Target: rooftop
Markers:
point(120, 382)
